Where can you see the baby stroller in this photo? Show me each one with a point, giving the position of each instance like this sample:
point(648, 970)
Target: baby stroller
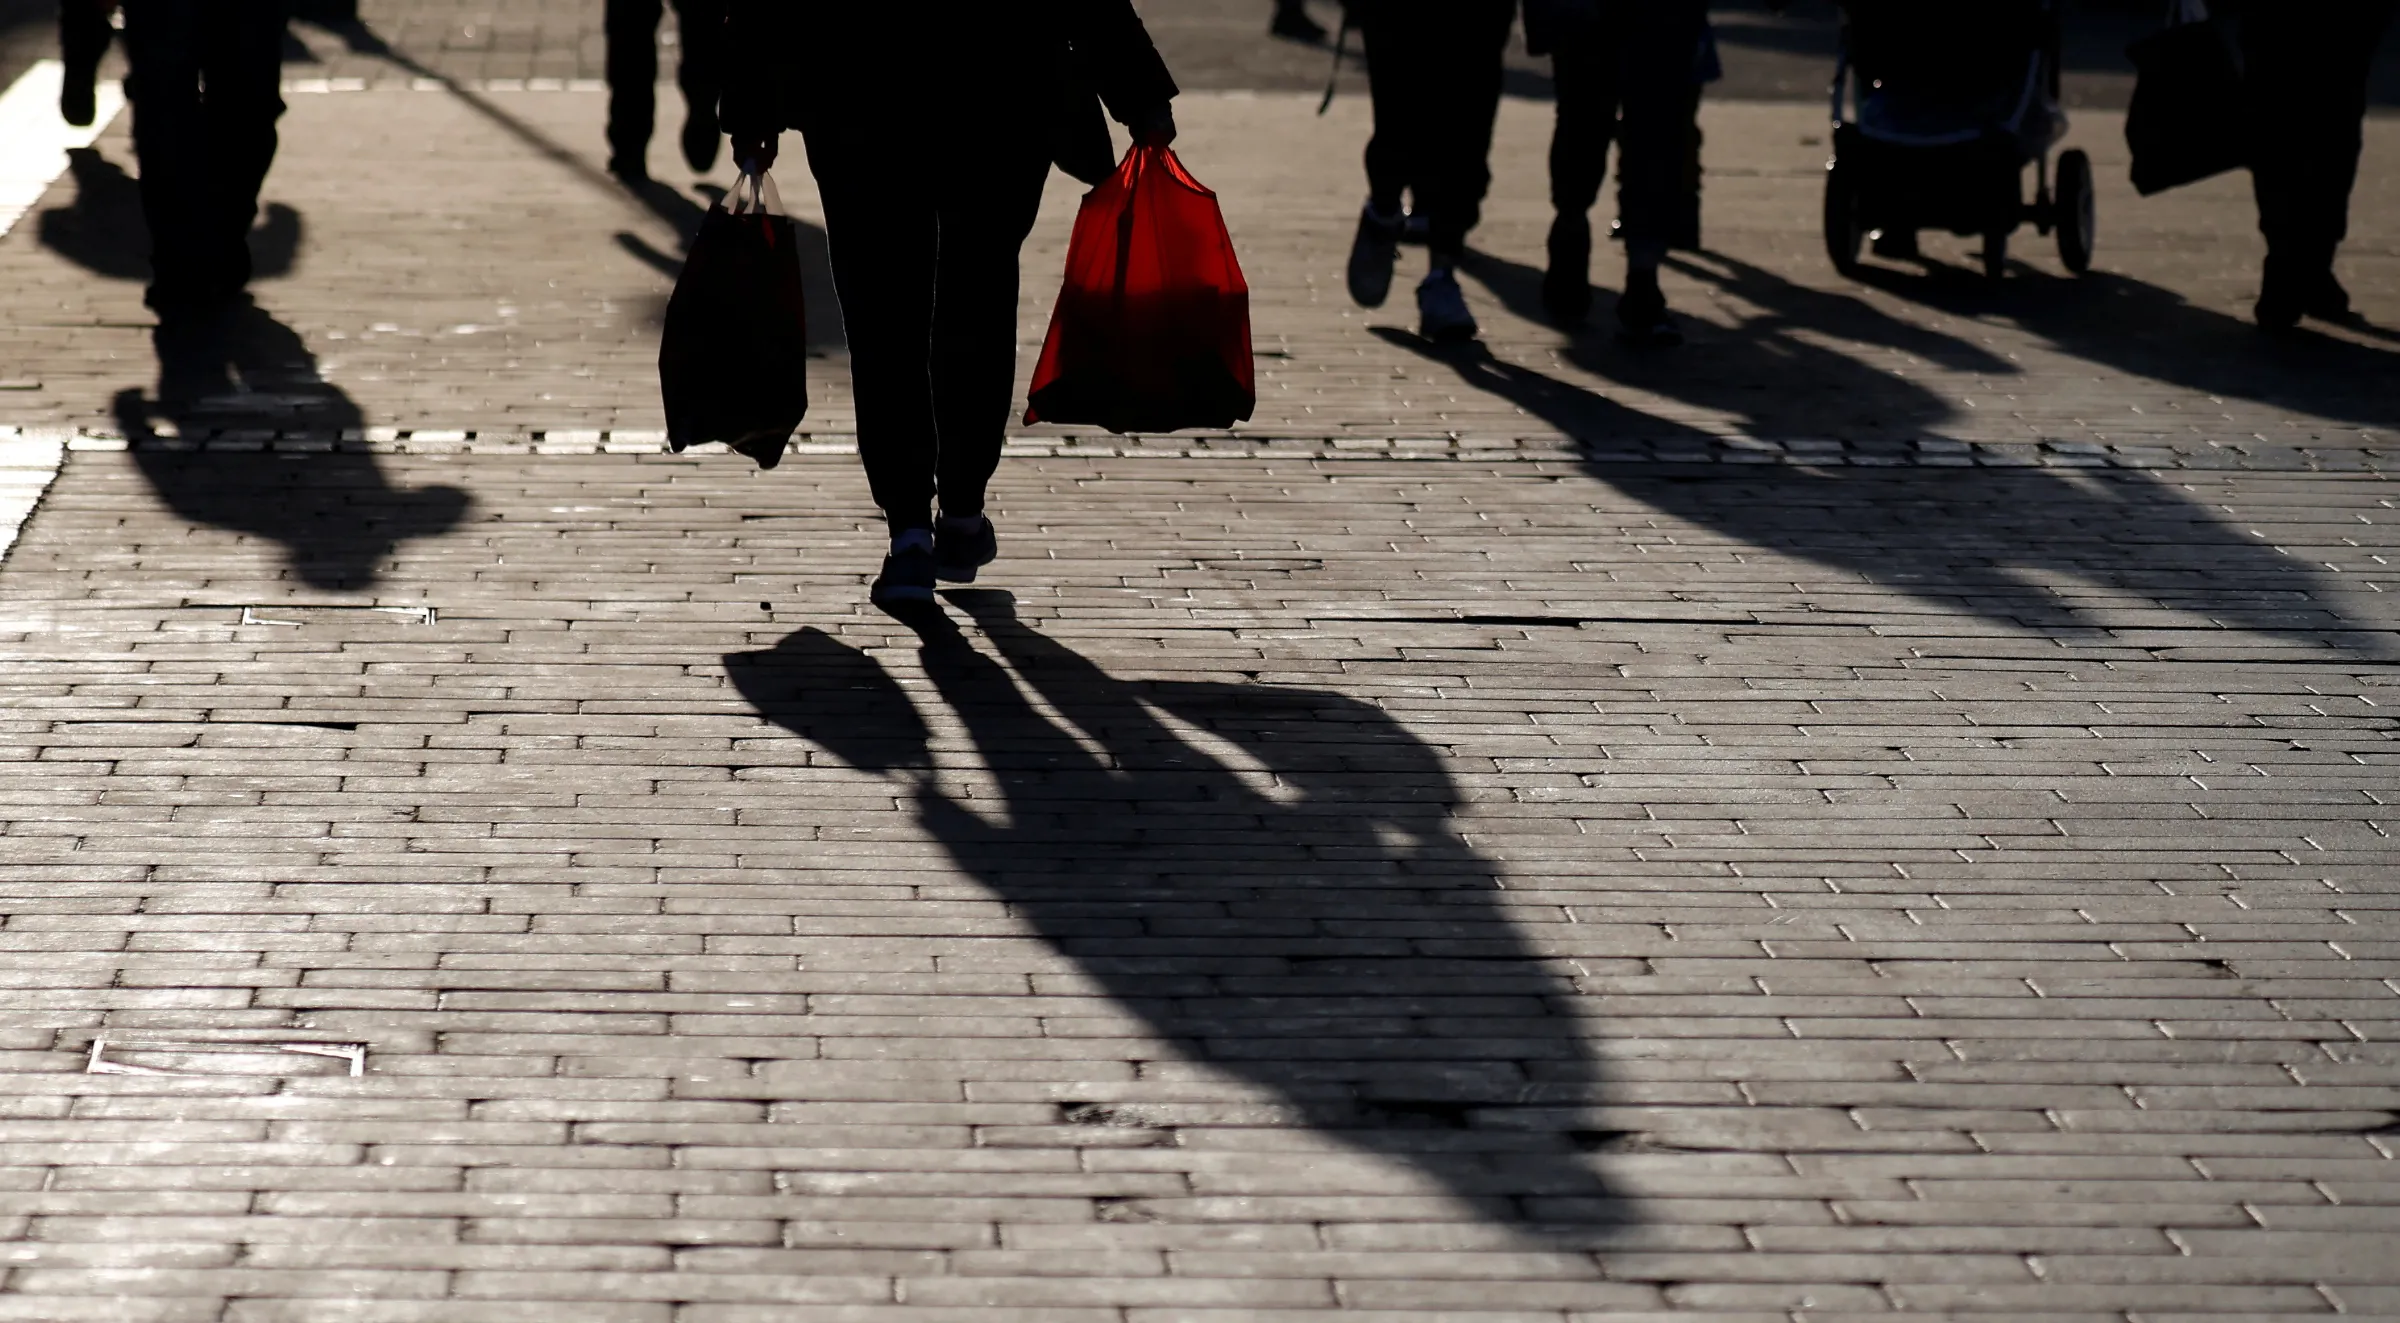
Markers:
point(1938, 106)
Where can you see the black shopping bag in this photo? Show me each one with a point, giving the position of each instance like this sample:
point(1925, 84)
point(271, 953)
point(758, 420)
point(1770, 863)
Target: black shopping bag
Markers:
point(732, 363)
point(2188, 119)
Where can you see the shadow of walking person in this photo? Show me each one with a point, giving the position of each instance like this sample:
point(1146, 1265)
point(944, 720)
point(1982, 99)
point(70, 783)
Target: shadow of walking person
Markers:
point(102, 230)
point(1269, 878)
point(2146, 330)
point(2052, 552)
point(246, 376)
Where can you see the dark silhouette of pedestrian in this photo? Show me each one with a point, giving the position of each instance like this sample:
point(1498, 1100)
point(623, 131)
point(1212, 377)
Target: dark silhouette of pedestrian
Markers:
point(930, 182)
point(203, 82)
point(1434, 73)
point(2307, 66)
point(1628, 70)
point(632, 27)
point(84, 34)
point(1291, 21)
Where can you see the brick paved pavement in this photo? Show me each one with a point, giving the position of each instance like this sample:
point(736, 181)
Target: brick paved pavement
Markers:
point(1510, 838)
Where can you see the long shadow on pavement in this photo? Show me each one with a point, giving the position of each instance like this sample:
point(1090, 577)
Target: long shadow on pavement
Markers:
point(2017, 546)
point(333, 511)
point(2145, 330)
point(102, 229)
point(1312, 924)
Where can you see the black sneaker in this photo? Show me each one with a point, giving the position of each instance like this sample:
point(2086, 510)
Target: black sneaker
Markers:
point(963, 546)
point(907, 577)
point(1372, 254)
point(1442, 315)
point(1567, 285)
point(1642, 320)
point(630, 171)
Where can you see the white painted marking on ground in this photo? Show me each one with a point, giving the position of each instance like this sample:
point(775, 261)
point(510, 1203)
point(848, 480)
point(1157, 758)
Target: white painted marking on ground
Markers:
point(34, 141)
point(28, 463)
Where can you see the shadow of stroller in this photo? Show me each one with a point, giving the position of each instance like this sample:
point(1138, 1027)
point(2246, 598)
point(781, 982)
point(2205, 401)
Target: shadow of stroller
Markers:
point(2035, 549)
point(1268, 877)
point(333, 511)
point(103, 232)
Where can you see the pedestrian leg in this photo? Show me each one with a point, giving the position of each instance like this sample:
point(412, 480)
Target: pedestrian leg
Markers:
point(2308, 69)
point(242, 68)
point(1585, 74)
point(984, 216)
point(1399, 45)
point(1462, 100)
point(632, 31)
point(1656, 185)
point(83, 37)
point(701, 74)
point(883, 238)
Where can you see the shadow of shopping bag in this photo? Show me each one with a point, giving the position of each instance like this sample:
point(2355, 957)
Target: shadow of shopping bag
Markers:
point(1152, 328)
point(2188, 119)
point(732, 364)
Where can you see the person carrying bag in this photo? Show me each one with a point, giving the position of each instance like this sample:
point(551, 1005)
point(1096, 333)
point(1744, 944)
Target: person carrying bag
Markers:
point(931, 168)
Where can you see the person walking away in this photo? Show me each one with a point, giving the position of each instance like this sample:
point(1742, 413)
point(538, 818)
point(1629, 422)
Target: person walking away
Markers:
point(203, 79)
point(632, 29)
point(931, 169)
point(1434, 75)
point(84, 34)
point(1629, 70)
point(1292, 22)
point(2307, 66)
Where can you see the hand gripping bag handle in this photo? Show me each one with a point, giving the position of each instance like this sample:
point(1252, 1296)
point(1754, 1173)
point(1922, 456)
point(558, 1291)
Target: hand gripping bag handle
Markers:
point(755, 195)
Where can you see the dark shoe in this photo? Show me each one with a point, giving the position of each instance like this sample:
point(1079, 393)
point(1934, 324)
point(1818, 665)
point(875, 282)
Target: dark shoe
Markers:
point(1897, 245)
point(767, 449)
point(1567, 285)
point(1642, 320)
point(908, 573)
point(1293, 23)
point(1442, 315)
point(76, 100)
point(194, 343)
point(630, 171)
point(700, 139)
point(1372, 254)
point(2329, 302)
point(1417, 229)
point(963, 546)
point(2283, 296)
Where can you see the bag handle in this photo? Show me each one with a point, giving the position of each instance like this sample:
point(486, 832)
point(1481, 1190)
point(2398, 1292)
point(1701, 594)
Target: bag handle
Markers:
point(760, 197)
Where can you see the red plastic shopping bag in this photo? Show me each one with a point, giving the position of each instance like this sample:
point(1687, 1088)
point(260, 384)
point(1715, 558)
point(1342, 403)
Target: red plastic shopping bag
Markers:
point(1152, 330)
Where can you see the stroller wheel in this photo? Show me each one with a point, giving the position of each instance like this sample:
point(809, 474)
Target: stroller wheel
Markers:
point(2074, 213)
point(1845, 231)
point(1995, 254)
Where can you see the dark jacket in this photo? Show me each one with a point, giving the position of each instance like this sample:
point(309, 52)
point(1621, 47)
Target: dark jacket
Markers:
point(934, 66)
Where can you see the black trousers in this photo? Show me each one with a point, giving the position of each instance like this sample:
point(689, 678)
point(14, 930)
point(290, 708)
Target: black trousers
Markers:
point(1634, 78)
point(632, 27)
point(2307, 66)
point(925, 255)
point(203, 82)
point(1433, 68)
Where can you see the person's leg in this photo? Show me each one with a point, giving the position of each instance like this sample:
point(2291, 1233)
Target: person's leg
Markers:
point(1585, 75)
point(1395, 34)
point(1462, 91)
point(1292, 20)
point(241, 67)
point(881, 233)
point(985, 215)
point(701, 75)
point(2307, 69)
point(632, 31)
point(1656, 186)
point(1462, 99)
point(83, 37)
point(162, 46)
